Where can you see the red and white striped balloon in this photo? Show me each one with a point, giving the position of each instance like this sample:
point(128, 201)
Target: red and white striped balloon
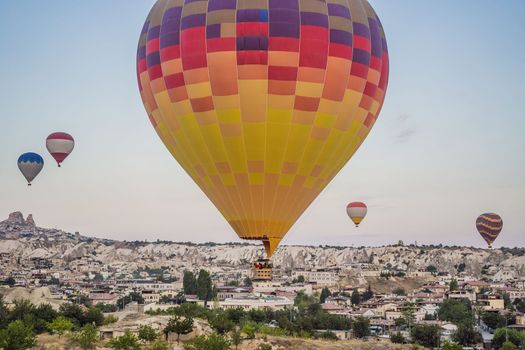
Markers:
point(357, 212)
point(60, 145)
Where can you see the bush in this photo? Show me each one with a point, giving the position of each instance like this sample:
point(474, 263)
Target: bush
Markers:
point(128, 341)
point(360, 327)
point(397, 338)
point(426, 335)
point(211, 342)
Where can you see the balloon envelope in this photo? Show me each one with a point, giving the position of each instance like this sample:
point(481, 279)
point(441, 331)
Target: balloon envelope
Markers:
point(489, 226)
point(356, 211)
point(30, 164)
point(262, 102)
point(60, 145)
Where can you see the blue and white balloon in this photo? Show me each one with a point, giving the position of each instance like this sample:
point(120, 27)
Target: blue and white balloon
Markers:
point(30, 164)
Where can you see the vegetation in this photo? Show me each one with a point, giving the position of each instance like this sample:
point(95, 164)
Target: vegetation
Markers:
point(361, 327)
point(147, 333)
point(493, 320)
point(61, 325)
point(211, 342)
point(17, 336)
point(458, 312)
point(87, 337)
point(397, 338)
point(128, 341)
point(179, 325)
point(515, 337)
point(466, 335)
point(426, 335)
point(399, 291)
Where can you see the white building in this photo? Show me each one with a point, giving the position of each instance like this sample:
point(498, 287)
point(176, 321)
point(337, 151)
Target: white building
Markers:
point(257, 303)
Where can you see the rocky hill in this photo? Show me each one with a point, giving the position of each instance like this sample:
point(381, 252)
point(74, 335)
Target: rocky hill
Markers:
point(21, 238)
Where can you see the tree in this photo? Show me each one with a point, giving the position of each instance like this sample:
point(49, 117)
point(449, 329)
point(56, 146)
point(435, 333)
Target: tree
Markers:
point(368, 294)
point(456, 311)
point(189, 283)
point(86, 338)
point(397, 338)
point(95, 316)
point(220, 323)
point(178, 325)
point(9, 281)
point(211, 342)
point(17, 336)
point(454, 285)
point(431, 269)
point(128, 341)
point(466, 335)
point(236, 339)
point(131, 297)
point(507, 346)
point(73, 312)
point(61, 325)
point(426, 335)
point(361, 327)
point(247, 282)
point(204, 286)
point(147, 333)
point(408, 314)
point(451, 346)
point(4, 312)
point(515, 337)
point(399, 291)
point(249, 329)
point(158, 345)
point(507, 302)
point(493, 320)
point(325, 293)
point(356, 297)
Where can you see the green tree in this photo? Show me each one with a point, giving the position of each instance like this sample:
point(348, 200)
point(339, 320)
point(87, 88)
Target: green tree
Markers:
point(17, 336)
point(456, 311)
point(408, 314)
point(515, 337)
point(178, 325)
point(9, 281)
point(507, 346)
point(211, 342)
point(86, 338)
point(158, 345)
point(265, 346)
point(249, 329)
point(128, 341)
point(147, 333)
point(325, 293)
point(431, 269)
point(454, 285)
point(361, 327)
point(356, 297)
point(399, 291)
point(94, 315)
point(300, 279)
point(4, 312)
point(189, 283)
point(220, 322)
point(493, 320)
point(466, 335)
point(236, 339)
point(451, 346)
point(397, 338)
point(73, 312)
point(247, 282)
point(204, 286)
point(22, 308)
point(507, 302)
point(368, 294)
point(426, 335)
point(61, 325)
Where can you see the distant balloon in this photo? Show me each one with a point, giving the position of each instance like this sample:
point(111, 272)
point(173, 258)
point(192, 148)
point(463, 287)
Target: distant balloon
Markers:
point(357, 212)
point(30, 164)
point(489, 226)
point(60, 145)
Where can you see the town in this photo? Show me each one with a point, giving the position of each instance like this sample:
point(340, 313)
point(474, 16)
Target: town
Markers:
point(432, 304)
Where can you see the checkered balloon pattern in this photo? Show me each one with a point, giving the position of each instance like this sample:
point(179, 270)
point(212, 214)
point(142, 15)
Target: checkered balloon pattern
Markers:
point(262, 102)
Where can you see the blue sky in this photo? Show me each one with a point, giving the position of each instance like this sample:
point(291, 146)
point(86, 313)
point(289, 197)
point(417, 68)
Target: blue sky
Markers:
point(447, 146)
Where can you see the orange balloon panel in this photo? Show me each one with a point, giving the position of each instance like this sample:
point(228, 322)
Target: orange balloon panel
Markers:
point(262, 102)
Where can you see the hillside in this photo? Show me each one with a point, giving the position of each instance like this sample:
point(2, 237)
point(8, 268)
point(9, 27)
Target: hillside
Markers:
point(21, 238)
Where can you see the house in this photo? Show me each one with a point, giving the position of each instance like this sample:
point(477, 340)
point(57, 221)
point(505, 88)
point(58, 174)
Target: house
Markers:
point(257, 303)
point(461, 294)
point(448, 329)
point(492, 302)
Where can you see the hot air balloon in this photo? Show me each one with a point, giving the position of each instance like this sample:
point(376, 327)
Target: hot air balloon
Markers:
point(262, 102)
point(30, 164)
point(489, 226)
point(60, 145)
point(357, 212)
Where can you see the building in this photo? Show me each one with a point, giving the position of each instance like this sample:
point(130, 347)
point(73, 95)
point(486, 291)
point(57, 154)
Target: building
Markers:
point(319, 277)
point(257, 303)
point(492, 302)
point(461, 294)
point(230, 292)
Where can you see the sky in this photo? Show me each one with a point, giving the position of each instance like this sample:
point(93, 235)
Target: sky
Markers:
point(447, 146)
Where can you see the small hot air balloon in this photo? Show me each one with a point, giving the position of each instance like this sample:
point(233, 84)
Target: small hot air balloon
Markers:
point(60, 145)
point(262, 102)
point(357, 212)
point(30, 164)
point(489, 226)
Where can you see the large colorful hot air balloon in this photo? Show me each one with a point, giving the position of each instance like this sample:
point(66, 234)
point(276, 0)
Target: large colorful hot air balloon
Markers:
point(30, 164)
point(357, 212)
point(262, 102)
point(489, 226)
point(60, 145)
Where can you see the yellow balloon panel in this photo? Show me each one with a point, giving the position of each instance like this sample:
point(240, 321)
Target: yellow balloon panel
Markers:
point(262, 102)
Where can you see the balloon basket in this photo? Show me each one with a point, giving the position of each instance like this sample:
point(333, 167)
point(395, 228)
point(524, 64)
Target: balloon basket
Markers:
point(262, 270)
